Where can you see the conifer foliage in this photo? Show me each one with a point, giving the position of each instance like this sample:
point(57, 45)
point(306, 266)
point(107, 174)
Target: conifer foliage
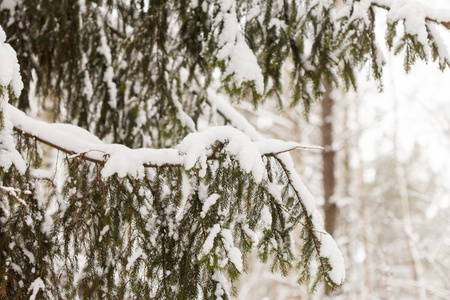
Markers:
point(159, 188)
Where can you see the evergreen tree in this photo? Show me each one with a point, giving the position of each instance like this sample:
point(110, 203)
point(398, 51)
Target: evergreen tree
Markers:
point(176, 217)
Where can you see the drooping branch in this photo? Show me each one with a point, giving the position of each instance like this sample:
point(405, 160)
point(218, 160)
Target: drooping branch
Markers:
point(428, 18)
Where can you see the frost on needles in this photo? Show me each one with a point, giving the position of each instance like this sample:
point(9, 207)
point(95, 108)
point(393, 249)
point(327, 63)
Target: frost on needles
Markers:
point(158, 188)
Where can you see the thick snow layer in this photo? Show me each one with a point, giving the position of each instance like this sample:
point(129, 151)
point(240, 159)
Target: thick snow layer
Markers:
point(112, 89)
point(8, 153)
point(122, 160)
point(137, 253)
point(131, 161)
point(9, 76)
point(416, 14)
point(275, 192)
point(222, 288)
point(195, 146)
point(278, 24)
point(440, 43)
point(108, 76)
point(233, 253)
point(9, 4)
point(330, 250)
point(103, 232)
point(242, 61)
point(244, 65)
point(9, 67)
point(28, 254)
point(210, 201)
point(266, 217)
point(209, 242)
point(35, 286)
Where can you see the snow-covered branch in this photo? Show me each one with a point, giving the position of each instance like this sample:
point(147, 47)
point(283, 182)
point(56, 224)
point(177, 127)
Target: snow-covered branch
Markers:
point(409, 9)
point(13, 192)
point(120, 159)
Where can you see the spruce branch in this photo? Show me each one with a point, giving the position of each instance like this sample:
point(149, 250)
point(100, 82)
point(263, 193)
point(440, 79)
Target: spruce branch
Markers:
point(101, 157)
point(446, 24)
point(325, 267)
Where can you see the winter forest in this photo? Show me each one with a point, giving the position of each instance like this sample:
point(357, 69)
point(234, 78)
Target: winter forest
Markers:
point(224, 149)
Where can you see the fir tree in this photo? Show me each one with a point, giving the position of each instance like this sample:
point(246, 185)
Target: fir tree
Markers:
point(176, 217)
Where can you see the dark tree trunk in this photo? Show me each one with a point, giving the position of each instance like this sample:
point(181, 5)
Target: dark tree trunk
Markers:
point(328, 164)
point(328, 161)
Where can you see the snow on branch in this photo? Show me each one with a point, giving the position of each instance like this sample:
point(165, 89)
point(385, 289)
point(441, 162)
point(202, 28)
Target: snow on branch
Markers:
point(419, 37)
point(220, 104)
point(196, 147)
point(415, 15)
point(13, 192)
point(10, 79)
point(411, 9)
point(9, 67)
point(193, 152)
point(241, 61)
point(323, 243)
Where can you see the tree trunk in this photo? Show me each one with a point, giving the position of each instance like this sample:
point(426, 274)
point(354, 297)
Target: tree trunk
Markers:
point(328, 161)
point(328, 154)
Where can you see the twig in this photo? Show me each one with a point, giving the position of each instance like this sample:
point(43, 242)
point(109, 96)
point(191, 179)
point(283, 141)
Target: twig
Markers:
point(13, 192)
